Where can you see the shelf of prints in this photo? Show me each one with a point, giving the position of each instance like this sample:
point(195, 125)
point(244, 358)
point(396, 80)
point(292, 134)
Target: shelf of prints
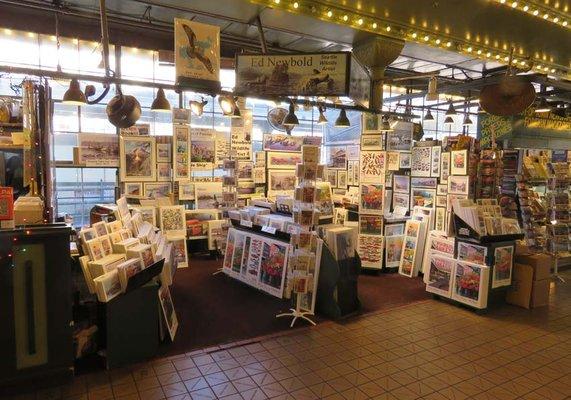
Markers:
point(507, 196)
point(557, 201)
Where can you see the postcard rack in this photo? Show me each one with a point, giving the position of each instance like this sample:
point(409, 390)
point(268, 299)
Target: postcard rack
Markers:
point(465, 231)
point(267, 231)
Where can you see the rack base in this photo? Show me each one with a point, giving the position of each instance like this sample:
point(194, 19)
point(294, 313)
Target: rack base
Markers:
point(297, 314)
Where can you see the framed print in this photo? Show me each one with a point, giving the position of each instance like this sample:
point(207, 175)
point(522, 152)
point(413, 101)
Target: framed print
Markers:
point(401, 200)
point(202, 150)
point(459, 162)
point(350, 172)
point(441, 201)
point(98, 149)
point(394, 229)
point(370, 250)
point(400, 138)
point(282, 142)
point(133, 189)
point(148, 214)
point(441, 190)
point(420, 161)
point(393, 250)
point(331, 177)
point(282, 181)
point(245, 171)
point(435, 161)
point(440, 219)
point(393, 160)
point(155, 190)
point(370, 123)
point(503, 265)
point(401, 183)
point(429, 183)
point(208, 195)
point(353, 152)
point(404, 160)
point(472, 253)
point(163, 152)
point(371, 197)
point(168, 311)
point(342, 179)
point(181, 157)
point(370, 224)
point(137, 159)
point(337, 157)
point(172, 219)
point(373, 165)
point(372, 142)
point(181, 116)
point(470, 284)
point(422, 197)
point(459, 184)
point(245, 188)
point(273, 264)
point(185, 190)
point(259, 174)
point(444, 167)
point(163, 172)
point(283, 160)
point(440, 271)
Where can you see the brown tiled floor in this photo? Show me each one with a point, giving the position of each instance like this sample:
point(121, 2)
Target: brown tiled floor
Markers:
point(429, 350)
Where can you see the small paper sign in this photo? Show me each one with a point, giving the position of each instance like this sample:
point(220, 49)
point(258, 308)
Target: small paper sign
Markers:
point(245, 223)
point(269, 229)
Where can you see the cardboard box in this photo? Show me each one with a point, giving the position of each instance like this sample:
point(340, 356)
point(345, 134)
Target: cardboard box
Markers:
point(519, 294)
point(541, 264)
point(540, 293)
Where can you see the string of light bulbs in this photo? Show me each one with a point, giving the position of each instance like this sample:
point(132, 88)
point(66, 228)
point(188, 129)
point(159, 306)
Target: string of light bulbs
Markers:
point(482, 48)
point(544, 11)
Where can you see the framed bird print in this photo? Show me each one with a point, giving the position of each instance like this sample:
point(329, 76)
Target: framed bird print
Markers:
point(137, 156)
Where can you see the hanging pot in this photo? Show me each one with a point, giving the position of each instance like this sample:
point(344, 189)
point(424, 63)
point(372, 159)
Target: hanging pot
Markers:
point(123, 111)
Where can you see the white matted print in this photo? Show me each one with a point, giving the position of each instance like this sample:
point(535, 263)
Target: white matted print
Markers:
point(185, 190)
point(459, 162)
point(393, 160)
point(371, 198)
point(470, 284)
point(137, 159)
point(202, 150)
point(155, 190)
point(281, 181)
point(444, 167)
point(98, 149)
point(172, 219)
point(208, 195)
point(421, 161)
point(169, 314)
point(133, 189)
point(372, 142)
point(401, 200)
point(435, 162)
point(181, 158)
point(458, 184)
point(370, 123)
point(422, 197)
point(472, 253)
point(440, 272)
point(405, 160)
point(164, 152)
point(373, 166)
point(400, 138)
point(370, 250)
point(283, 160)
point(337, 157)
point(393, 250)
point(401, 183)
point(163, 172)
point(503, 264)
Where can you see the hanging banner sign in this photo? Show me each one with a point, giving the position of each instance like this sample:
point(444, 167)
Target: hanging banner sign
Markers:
point(197, 55)
point(318, 74)
point(241, 136)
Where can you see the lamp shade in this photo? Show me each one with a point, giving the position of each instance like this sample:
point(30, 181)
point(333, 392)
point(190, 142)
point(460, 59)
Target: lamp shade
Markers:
point(227, 104)
point(428, 116)
point(451, 110)
point(322, 120)
point(197, 107)
point(342, 121)
point(467, 121)
point(448, 120)
point(74, 95)
point(160, 103)
point(291, 119)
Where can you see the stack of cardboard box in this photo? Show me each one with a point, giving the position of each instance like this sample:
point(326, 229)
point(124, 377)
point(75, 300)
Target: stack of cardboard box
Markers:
point(530, 281)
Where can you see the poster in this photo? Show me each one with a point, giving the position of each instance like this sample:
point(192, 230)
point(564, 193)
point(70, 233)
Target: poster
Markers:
point(202, 150)
point(197, 50)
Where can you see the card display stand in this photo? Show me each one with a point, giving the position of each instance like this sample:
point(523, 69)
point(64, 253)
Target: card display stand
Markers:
point(129, 325)
point(465, 231)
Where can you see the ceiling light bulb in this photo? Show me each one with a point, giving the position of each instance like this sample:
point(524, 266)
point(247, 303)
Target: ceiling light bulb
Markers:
point(502, 1)
point(525, 8)
point(197, 107)
point(329, 13)
point(227, 104)
point(414, 35)
point(295, 4)
point(448, 44)
point(388, 28)
point(552, 70)
point(360, 21)
point(469, 49)
point(488, 54)
point(497, 56)
point(514, 4)
point(535, 12)
point(556, 20)
point(374, 25)
point(545, 16)
point(277, 1)
point(564, 23)
point(437, 41)
point(345, 18)
point(479, 51)
point(426, 38)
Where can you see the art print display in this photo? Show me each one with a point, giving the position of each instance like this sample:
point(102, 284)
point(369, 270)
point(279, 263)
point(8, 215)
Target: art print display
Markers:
point(259, 175)
point(342, 179)
point(405, 160)
point(459, 184)
point(401, 200)
point(94, 249)
point(323, 199)
point(373, 164)
point(421, 161)
point(439, 276)
point(400, 138)
point(393, 160)
point(181, 157)
point(371, 197)
point(282, 142)
point(393, 250)
point(98, 149)
point(422, 197)
point(429, 183)
point(155, 190)
point(148, 214)
point(208, 195)
point(444, 167)
point(185, 191)
point(197, 51)
point(370, 250)
point(370, 225)
point(470, 284)
point(503, 264)
point(337, 157)
point(241, 136)
point(459, 162)
point(370, 123)
point(168, 311)
point(372, 142)
point(202, 150)
point(133, 189)
point(107, 286)
point(283, 160)
point(137, 158)
point(163, 171)
point(394, 229)
point(331, 177)
point(172, 219)
point(163, 152)
point(472, 253)
point(435, 161)
point(273, 267)
point(245, 171)
point(281, 181)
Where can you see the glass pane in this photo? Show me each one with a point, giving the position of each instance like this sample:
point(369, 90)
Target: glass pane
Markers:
point(27, 45)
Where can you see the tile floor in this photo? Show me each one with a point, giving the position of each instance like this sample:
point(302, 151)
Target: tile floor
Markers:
point(429, 350)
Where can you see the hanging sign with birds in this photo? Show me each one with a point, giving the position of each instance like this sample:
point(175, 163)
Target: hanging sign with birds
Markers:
point(197, 51)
